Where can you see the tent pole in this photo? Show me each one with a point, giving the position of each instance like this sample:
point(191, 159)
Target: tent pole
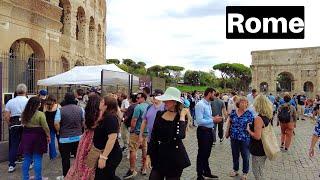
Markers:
point(102, 90)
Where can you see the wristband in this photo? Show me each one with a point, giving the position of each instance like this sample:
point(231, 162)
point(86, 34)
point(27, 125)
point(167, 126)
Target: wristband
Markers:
point(103, 157)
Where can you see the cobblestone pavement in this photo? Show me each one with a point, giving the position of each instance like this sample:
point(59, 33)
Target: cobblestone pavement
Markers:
point(293, 165)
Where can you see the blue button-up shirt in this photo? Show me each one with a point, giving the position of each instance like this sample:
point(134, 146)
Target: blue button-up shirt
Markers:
point(204, 114)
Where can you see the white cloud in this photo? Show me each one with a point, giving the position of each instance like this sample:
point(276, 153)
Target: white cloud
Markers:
point(191, 33)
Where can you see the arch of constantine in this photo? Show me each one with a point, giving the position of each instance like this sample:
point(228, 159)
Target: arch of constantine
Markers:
point(41, 38)
point(293, 70)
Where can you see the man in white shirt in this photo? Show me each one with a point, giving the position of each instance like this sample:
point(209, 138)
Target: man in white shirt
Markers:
point(12, 116)
point(251, 96)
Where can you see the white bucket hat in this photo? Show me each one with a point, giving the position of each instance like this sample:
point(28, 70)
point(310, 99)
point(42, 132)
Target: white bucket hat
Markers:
point(171, 94)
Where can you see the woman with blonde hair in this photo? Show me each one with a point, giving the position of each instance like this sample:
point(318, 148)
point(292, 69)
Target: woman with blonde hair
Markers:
point(239, 137)
point(264, 109)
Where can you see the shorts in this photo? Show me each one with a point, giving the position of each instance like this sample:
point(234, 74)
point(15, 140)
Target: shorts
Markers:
point(133, 142)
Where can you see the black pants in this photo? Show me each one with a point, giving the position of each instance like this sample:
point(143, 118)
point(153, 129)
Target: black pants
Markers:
point(109, 172)
point(205, 140)
point(156, 175)
point(65, 150)
point(15, 134)
point(218, 126)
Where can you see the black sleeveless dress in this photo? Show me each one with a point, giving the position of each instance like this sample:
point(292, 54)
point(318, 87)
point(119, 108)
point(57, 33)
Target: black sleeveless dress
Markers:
point(255, 146)
point(167, 152)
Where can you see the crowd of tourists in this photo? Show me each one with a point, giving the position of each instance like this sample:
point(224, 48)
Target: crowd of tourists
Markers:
point(97, 131)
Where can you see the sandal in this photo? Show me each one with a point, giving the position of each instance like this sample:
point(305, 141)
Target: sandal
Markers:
point(234, 174)
point(244, 176)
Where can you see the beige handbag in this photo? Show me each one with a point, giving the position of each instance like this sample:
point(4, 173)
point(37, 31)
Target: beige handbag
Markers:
point(93, 156)
point(270, 143)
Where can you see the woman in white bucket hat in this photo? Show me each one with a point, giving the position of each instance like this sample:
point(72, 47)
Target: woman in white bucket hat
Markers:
point(167, 152)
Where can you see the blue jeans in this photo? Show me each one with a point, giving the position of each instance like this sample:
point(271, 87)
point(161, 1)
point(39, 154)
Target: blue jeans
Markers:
point(242, 147)
point(37, 160)
point(14, 142)
point(52, 145)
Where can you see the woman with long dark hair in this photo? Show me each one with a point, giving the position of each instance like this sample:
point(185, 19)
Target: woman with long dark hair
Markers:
point(35, 136)
point(79, 170)
point(50, 110)
point(105, 139)
point(166, 150)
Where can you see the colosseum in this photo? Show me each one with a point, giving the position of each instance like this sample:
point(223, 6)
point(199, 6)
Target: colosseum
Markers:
point(41, 38)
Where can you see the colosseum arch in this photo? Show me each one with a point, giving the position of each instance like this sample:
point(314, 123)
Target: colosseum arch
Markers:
point(297, 65)
point(26, 64)
point(308, 88)
point(81, 25)
point(285, 82)
point(100, 39)
point(65, 18)
point(92, 32)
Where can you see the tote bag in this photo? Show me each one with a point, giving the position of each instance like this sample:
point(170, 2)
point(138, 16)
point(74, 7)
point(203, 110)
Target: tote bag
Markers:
point(270, 143)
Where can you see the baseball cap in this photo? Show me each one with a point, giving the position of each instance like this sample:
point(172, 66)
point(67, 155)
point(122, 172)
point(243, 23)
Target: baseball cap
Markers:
point(43, 92)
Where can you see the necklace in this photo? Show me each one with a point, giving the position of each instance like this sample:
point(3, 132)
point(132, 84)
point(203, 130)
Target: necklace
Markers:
point(171, 111)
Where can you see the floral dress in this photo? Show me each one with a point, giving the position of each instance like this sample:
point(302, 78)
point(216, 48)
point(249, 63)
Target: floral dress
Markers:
point(79, 170)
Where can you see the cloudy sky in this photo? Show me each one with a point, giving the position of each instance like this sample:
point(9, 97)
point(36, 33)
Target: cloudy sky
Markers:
point(191, 33)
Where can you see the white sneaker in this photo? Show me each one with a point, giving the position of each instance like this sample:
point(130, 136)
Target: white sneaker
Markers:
point(59, 178)
point(11, 169)
point(31, 166)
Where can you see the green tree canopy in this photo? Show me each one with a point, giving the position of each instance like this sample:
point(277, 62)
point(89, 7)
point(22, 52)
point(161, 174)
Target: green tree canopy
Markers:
point(112, 61)
point(235, 71)
point(128, 62)
point(142, 64)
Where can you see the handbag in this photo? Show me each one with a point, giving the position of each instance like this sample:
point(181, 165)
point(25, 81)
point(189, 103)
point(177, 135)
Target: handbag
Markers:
point(93, 156)
point(270, 143)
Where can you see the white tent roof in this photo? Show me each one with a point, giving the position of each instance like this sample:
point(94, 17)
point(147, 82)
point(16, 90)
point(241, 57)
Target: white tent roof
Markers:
point(90, 75)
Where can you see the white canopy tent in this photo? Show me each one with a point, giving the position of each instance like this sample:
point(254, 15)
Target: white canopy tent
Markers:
point(91, 76)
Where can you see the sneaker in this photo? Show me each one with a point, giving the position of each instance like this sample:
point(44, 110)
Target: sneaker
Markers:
point(11, 169)
point(285, 150)
point(72, 156)
point(31, 166)
point(130, 174)
point(59, 178)
point(234, 174)
point(244, 176)
point(214, 143)
point(210, 176)
point(221, 140)
point(144, 172)
point(282, 146)
point(19, 161)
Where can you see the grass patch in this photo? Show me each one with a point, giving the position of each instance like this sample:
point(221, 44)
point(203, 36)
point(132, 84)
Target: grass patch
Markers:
point(187, 88)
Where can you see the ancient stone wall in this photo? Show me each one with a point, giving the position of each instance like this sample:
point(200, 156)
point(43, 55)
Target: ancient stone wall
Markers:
point(301, 64)
point(60, 33)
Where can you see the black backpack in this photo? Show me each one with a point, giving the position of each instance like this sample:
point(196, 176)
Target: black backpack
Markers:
point(284, 115)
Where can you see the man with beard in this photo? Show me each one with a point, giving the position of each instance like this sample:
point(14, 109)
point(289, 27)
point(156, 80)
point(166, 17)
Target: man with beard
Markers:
point(205, 122)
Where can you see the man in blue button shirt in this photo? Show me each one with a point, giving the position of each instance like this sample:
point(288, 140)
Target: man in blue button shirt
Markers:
point(205, 123)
